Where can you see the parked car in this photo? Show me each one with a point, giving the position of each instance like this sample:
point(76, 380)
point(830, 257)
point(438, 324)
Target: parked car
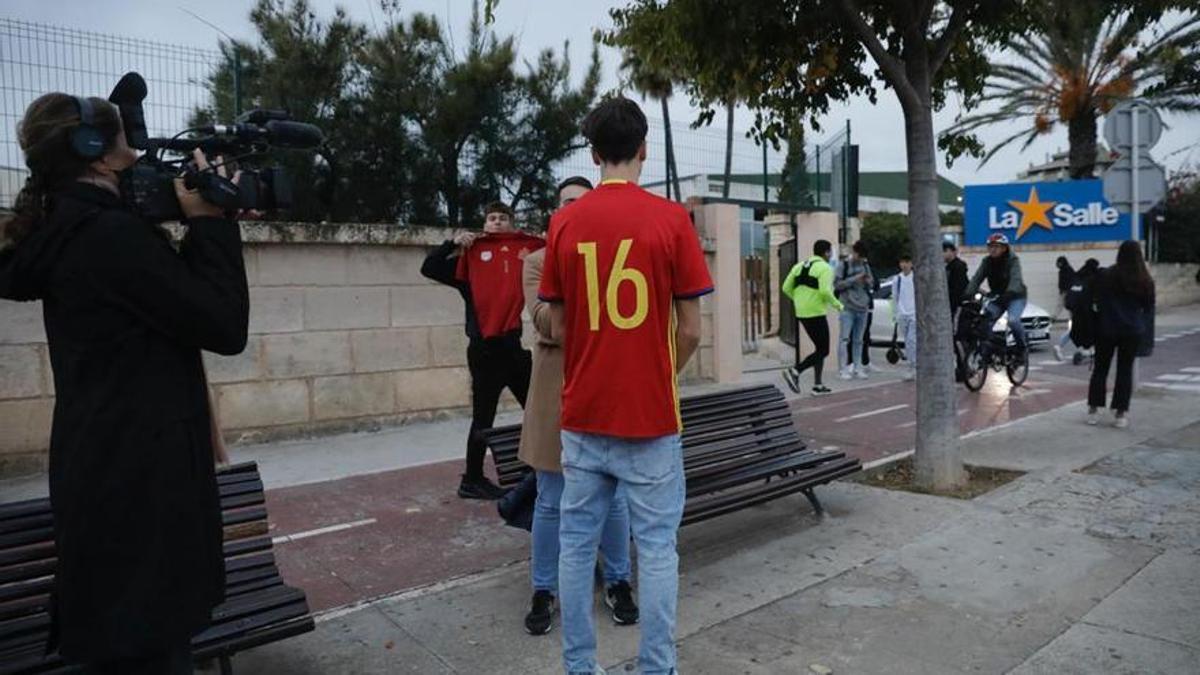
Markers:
point(1035, 319)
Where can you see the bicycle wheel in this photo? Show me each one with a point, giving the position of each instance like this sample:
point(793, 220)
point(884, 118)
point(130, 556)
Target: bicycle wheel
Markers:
point(1018, 372)
point(974, 367)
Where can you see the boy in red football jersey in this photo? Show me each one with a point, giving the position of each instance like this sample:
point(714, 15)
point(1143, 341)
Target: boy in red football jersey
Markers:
point(486, 269)
point(625, 272)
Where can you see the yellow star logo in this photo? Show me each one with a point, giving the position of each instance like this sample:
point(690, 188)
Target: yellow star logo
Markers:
point(1033, 212)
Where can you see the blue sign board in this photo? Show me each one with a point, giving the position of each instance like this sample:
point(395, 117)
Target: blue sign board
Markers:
point(1042, 213)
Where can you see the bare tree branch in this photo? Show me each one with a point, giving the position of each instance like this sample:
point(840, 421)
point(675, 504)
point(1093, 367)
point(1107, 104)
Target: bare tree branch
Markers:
point(892, 67)
point(950, 35)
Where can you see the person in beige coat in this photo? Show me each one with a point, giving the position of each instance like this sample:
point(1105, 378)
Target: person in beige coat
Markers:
point(541, 449)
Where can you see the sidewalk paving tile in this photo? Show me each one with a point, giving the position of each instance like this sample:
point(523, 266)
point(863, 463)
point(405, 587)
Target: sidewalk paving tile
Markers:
point(1088, 650)
point(1161, 601)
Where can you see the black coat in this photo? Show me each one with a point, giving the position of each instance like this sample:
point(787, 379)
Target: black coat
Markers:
point(136, 513)
point(956, 282)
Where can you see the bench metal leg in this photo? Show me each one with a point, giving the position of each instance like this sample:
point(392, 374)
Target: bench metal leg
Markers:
point(226, 665)
point(816, 503)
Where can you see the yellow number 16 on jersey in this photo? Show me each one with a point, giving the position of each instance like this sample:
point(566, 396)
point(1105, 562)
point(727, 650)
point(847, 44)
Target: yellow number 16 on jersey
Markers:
point(619, 275)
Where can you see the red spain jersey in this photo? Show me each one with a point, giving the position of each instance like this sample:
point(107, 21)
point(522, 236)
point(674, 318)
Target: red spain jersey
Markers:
point(617, 259)
point(492, 268)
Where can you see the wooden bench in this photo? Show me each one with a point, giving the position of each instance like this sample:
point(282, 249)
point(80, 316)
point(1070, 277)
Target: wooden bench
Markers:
point(740, 449)
point(258, 607)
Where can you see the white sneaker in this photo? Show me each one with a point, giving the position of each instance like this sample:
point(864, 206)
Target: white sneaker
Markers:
point(861, 374)
point(1058, 353)
point(1092, 418)
point(845, 374)
point(1121, 421)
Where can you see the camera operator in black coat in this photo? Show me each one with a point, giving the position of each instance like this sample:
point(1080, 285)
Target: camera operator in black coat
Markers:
point(137, 515)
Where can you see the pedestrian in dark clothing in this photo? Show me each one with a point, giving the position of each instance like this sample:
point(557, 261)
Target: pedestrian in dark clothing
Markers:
point(1124, 297)
point(1080, 302)
point(956, 275)
point(137, 518)
point(1066, 277)
point(486, 270)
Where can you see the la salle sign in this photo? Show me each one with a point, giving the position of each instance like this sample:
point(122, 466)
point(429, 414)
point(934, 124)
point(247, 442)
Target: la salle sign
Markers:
point(1042, 213)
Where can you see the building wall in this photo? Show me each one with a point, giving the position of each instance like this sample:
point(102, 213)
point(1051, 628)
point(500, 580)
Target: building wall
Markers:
point(345, 334)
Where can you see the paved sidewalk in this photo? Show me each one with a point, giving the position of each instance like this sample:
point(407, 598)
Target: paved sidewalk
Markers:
point(1087, 564)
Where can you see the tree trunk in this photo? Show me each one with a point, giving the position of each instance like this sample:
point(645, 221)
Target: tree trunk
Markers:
point(729, 148)
point(938, 458)
point(1082, 137)
point(673, 172)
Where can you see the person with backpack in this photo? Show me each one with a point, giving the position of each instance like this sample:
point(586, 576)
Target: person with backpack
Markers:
point(1124, 297)
point(810, 286)
point(853, 288)
point(1078, 301)
point(1066, 277)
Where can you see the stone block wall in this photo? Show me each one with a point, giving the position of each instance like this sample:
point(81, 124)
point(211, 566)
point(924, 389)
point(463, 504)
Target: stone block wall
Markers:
point(345, 334)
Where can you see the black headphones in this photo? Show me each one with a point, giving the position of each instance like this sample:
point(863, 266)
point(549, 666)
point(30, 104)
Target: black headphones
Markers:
point(86, 139)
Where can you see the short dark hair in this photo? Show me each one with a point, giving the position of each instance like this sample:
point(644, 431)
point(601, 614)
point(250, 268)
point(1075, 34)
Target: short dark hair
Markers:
point(500, 207)
point(904, 257)
point(821, 247)
point(616, 129)
point(860, 247)
point(574, 180)
point(948, 245)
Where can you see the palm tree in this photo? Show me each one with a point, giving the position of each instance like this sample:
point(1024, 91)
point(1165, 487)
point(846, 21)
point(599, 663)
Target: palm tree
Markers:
point(656, 83)
point(1085, 59)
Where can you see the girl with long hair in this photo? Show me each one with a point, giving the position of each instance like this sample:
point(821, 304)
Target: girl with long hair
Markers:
point(1124, 300)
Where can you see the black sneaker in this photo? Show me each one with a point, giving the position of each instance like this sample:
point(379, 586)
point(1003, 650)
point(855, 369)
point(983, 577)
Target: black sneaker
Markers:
point(821, 390)
point(619, 598)
point(540, 619)
point(479, 488)
point(792, 378)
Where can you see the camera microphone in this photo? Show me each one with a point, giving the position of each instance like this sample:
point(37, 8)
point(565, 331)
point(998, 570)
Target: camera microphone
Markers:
point(128, 96)
point(297, 135)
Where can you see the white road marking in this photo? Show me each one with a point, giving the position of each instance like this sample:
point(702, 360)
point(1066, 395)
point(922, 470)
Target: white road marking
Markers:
point(867, 466)
point(1174, 377)
point(871, 413)
point(1051, 362)
point(1190, 369)
point(321, 530)
point(1195, 388)
point(1033, 392)
point(1158, 339)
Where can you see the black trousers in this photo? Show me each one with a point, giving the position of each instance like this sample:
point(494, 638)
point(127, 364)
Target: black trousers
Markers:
point(495, 364)
point(174, 661)
point(817, 328)
point(1125, 348)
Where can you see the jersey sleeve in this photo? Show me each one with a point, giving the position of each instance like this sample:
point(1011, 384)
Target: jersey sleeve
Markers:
point(462, 270)
point(691, 278)
point(550, 290)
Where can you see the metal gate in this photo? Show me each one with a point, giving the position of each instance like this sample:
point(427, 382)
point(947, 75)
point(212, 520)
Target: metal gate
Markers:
point(756, 300)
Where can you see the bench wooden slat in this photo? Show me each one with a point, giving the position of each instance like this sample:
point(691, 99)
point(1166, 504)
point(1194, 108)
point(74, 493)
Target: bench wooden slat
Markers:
point(259, 608)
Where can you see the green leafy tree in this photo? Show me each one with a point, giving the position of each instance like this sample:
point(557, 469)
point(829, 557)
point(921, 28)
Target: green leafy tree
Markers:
point(887, 238)
point(655, 82)
point(1079, 60)
point(1176, 239)
point(805, 54)
point(793, 180)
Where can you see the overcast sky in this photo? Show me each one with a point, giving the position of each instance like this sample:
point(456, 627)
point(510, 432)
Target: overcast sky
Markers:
point(878, 129)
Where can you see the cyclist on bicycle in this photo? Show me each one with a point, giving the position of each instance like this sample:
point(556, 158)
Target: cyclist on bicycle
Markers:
point(1002, 271)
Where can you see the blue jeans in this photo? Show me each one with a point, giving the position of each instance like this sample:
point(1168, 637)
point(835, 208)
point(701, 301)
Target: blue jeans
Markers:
point(1015, 308)
point(853, 323)
point(651, 473)
point(908, 328)
point(614, 542)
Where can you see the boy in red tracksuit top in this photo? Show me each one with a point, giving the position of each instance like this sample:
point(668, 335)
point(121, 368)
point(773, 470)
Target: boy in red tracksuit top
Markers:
point(486, 269)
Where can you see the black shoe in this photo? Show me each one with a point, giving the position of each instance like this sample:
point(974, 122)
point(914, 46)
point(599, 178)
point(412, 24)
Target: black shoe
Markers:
point(540, 619)
point(479, 488)
point(792, 378)
point(821, 390)
point(619, 598)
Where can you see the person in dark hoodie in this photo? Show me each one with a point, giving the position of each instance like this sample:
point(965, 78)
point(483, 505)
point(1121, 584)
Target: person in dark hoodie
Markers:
point(1001, 269)
point(1124, 299)
point(485, 268)
point(137, 517)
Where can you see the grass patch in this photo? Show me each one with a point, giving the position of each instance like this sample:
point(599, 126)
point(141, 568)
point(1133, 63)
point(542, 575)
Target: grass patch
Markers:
point(902, 476)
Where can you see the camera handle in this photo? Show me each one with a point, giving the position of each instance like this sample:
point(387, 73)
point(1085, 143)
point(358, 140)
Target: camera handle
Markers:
point(214, 188)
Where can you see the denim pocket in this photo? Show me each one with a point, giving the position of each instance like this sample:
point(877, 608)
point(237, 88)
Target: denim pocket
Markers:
point(654, 461)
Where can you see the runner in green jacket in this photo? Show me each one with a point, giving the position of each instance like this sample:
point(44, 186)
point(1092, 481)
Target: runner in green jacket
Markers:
point(810, 286)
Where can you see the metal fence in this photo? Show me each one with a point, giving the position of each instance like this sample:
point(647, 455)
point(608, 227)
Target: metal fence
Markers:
point(37, 58)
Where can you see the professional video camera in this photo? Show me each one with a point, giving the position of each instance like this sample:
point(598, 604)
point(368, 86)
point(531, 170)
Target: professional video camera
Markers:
point(148, 186)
